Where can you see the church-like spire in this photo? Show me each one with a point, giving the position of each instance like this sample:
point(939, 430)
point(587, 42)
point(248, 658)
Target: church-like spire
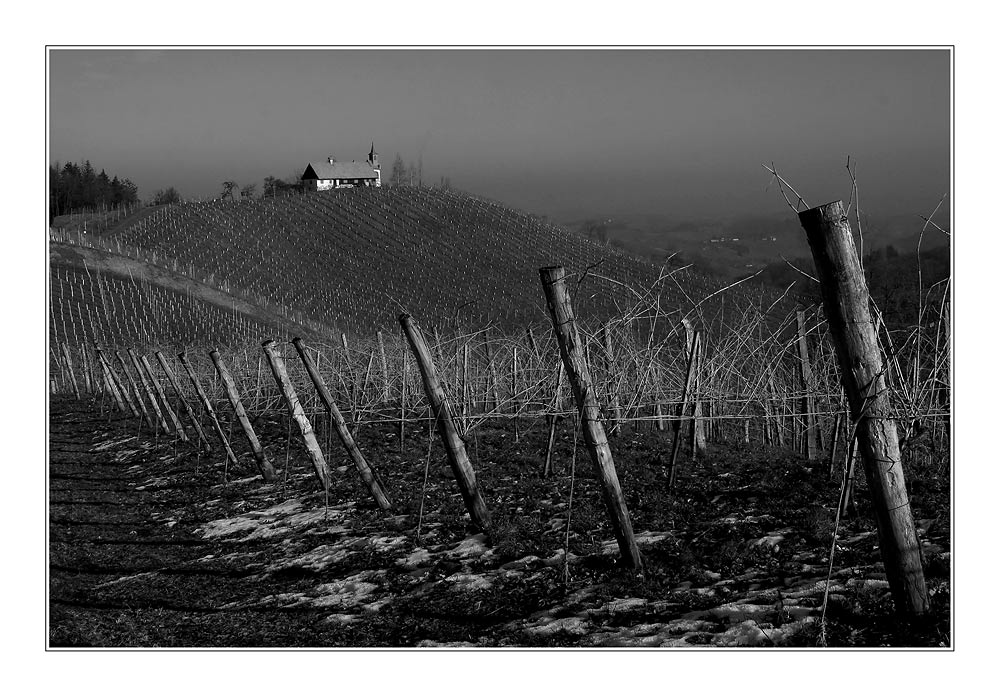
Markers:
point(373, 161)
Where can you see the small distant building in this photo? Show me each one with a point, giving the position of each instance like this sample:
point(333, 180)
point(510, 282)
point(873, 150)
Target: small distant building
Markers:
point(331, 174)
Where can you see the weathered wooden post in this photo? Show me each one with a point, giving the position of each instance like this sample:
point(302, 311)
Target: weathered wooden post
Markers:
point(692, 355)
point(561, 310)
point(263, 464)
point(188, 411)
point(466, 407)
point(148, 389)
point(694, 348)
point(846, 302)
point(404, 377)
point(779, 423)
point(108, 389)
point(69, 367)
point(178, 428)
point(118, 391)
point(135, 391)
point(207, 404)
point(465, 475)
point(385, 368)
point(89, 379)
point(368, 475)
point(296, 412)
point(494, 379)
point(808, 401)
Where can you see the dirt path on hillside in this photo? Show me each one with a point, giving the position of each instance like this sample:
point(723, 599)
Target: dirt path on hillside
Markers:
point(125, 267)
point(153, 545)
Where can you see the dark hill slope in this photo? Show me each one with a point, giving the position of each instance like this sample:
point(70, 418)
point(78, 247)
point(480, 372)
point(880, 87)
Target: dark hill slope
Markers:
point(355, 258)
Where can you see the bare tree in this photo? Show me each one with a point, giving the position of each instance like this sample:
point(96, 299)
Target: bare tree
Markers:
point(399, 174)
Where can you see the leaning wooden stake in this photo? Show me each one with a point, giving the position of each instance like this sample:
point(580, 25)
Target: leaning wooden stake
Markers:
point(263, 464)
point(571, 350)
point(846, 302)
point(69, 366)
point(368, 475)
point(89, 379)
point(209, 409)
point(297, 413)
point(188, 411)
point(465, 476)
point(135, 391)
point(178, 428)
point(148, 389)
point(115, 387)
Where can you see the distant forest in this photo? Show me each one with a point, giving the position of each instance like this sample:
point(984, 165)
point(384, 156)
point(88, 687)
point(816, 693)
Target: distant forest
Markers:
point(73, 187)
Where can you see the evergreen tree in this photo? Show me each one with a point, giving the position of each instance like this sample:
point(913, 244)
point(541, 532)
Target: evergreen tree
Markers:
point(74, 187)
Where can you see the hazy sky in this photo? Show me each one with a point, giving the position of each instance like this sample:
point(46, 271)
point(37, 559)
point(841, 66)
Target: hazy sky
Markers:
point(558, 132)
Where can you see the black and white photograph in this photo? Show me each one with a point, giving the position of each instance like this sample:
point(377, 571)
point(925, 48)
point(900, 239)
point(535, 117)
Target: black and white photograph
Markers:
point(442, 348)
point(499, 347)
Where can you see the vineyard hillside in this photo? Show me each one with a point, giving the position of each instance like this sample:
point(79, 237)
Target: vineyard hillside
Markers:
point(354, 259)
point(114, 300)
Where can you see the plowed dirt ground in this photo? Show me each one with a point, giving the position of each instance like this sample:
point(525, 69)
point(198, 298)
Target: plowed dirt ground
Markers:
point(154, 545)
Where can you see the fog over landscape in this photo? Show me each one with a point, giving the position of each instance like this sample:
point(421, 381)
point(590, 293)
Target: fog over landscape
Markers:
point(676, 134)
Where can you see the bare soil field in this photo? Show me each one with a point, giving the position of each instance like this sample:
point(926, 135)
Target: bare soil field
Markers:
point(153, 545)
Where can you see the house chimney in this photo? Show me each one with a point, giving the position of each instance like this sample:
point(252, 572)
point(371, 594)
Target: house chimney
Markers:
point(330, 159)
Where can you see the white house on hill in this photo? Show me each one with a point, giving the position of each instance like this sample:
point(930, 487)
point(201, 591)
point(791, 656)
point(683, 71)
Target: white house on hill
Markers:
point(331, 174)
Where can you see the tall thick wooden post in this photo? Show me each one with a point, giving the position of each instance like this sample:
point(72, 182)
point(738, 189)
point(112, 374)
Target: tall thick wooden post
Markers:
point(368, 475)
point(561, 310)
point(846, 302)
point(461, 467)
point(192, 417)
point(263, 464)
point(207, 404)
point(297, 413)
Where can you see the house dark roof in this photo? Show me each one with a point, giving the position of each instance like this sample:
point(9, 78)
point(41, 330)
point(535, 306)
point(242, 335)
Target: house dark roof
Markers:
point(339, 170)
